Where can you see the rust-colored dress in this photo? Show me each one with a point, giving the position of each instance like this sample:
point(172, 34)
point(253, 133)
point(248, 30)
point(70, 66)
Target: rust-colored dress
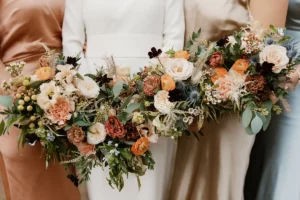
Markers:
point(24, 23)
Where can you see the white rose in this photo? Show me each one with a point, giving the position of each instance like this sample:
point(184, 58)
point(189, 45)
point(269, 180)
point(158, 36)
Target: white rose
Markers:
point(96, 134)
point(162, 103)
point(88, 87)
point(178, 68)
point(65, 74)
point(49, 95)
point(276, 55)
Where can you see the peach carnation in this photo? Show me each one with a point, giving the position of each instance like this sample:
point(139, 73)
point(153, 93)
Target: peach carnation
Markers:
point(75, 135)
point(60, 112)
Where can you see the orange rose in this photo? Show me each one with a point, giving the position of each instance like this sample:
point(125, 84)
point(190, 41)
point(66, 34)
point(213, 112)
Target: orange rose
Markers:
point(167, 82)
point(220, 73)
point(45, 73)
point(241, 66)
point(182, 54)
point(140, 146)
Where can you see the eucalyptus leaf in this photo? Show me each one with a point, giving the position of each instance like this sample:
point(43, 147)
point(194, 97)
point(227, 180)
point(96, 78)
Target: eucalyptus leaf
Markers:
point(249, 131)
point(2, 127)
point(82, 123)
point(256, 124)
point(267, 122)
point(247, 117)
point(6, 101)
point(79, 76)
point(262, 117)
point(268, 105)
point(132, 107)
point(36, 84)
point(126, 102)
point(117, 88)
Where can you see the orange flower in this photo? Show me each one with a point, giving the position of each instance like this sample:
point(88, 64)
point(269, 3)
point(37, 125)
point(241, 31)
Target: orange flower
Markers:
point(220, 72)
point(86, 149)
point(167, 82)
point(241, 66)
point(140, 146)
point(182, 54)
point(45, 73)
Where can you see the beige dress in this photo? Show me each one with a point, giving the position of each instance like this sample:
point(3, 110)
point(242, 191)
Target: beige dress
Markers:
point(23, 24)
point(213, 168)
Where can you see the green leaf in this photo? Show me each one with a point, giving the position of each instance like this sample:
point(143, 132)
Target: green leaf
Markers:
point(2, 127)
point(126, 102)
point(67, 127)
point(247, 117)
point(256, 125)
point(262, 117)
point(118, 88)
point(79, 76)
point(36, 84)
point(267, 122)
point(268, 105)
point(6, 101)
point(82, 123)
point(132, 107)
point(249, 131)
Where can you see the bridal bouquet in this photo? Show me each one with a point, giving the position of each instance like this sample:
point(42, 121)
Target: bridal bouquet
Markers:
point(249, 72)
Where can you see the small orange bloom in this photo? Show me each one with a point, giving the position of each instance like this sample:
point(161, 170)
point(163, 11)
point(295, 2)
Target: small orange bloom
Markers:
point(167, 83)
point(220, 73)
point(140, 146)
point(241, 66)
point(45, 73)
point(182, 54)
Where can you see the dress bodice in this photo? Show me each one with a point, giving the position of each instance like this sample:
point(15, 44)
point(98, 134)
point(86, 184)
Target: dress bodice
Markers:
point(122, 28)
point(293, 17)
point(25, 23)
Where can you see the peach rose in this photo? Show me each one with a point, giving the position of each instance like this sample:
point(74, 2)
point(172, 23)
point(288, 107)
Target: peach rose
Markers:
point(241, 66)
point(220, 72)
point(140, 146)
point(45, 73)
point(167, 83)
point(86, 149)
point(182, 54)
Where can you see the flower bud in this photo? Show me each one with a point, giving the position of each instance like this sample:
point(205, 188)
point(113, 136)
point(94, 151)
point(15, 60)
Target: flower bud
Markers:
point(29, 108)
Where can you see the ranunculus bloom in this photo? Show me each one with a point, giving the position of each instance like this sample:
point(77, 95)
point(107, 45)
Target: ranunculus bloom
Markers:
point(182, 54)
point(75, 135)
point(276, 55)
point(88, 87)
point(60, 112)
point(45, 73)
point(167, 83)
point(96, 134)
point(241, 66)
point(162, 103)
point(178, 68)
point(140, 146)
point(114, 127)
point(86, 149)
point(220, 72)
point(216, 60)
point(151, 85)
point(224, 87)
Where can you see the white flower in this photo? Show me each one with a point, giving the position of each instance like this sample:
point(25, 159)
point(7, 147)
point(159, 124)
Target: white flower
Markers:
point(49, 95)
point(96, 134)
point(178, 68)
point(69, 89)
point(88, 87)
point(162, 103)
point(280, 31)
point(148, 131)
point(231, 40)
point(276, 55)
point(66, 73)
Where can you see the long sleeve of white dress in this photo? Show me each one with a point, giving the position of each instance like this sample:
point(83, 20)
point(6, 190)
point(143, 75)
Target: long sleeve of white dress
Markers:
point(74, 33)
point(174, 26)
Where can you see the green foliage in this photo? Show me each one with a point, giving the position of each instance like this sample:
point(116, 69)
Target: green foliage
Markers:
point(6, 101)
point(117, 88)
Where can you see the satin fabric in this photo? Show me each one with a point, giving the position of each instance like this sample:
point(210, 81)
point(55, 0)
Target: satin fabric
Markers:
point(25, 23)
point(273, 173)
point(214, 167)
point(126, 29)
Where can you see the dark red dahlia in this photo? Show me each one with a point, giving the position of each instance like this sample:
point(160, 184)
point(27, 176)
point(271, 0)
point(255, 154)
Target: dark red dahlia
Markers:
point(114, 127)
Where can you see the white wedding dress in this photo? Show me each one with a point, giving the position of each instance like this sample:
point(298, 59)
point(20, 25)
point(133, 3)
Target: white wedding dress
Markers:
point(126, 29)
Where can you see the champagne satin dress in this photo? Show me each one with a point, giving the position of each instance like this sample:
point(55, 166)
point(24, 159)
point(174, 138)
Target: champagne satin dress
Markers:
point(24, 23)
point(213, 168)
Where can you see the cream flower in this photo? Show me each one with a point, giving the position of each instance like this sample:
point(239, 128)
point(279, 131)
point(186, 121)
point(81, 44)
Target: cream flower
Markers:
point(96, 134)
point(65, 74)
point(138, 118)
point(88, 87)
point(148, 131)
point(276, 55)
point(180, 69)
point(162, 103)
point(49, 95)
point(69, 89)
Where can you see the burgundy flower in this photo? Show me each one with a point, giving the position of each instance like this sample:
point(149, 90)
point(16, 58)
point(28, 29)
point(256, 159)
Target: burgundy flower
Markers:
point(216, 60)
point(154, 53)
point(132, 133)
point(114, 127)
point(222, 42)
